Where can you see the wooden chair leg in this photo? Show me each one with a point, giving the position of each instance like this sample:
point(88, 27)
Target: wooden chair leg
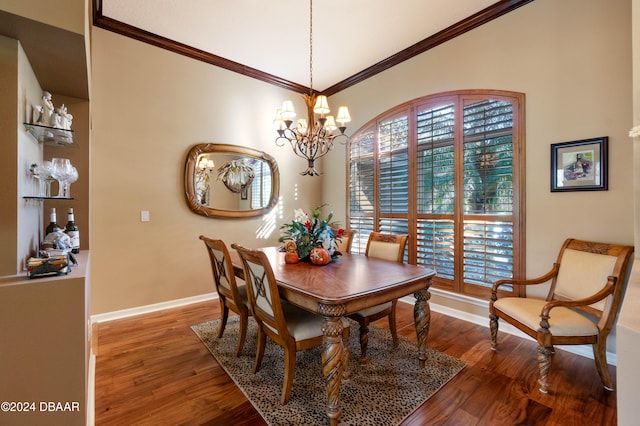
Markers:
point(346, 356)
point(262, 340)
point(600, 356)
point(223, 319)
point(392, 323)
point(493, 326)
point(289, 372)
point(544, 363)
point(364, 341)
point(244, 323)
point(346, 370)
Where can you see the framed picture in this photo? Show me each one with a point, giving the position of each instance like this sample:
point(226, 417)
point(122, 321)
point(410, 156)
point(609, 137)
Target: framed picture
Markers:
point(579, 165)
point(244, 195)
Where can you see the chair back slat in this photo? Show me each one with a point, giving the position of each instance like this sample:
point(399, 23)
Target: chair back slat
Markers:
point(259, 285)
point(222, 267)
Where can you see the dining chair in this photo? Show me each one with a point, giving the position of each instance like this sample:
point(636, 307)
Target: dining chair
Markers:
point(388, 247)
point(232, 291)
point(586, 286)
point(291, 327)
point(344, 245)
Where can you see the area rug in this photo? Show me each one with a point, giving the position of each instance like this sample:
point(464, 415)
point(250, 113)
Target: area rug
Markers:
point(382, 392)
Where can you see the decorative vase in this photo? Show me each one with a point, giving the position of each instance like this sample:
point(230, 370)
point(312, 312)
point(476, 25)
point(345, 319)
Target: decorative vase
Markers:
point(320, 256)
point(291, 257)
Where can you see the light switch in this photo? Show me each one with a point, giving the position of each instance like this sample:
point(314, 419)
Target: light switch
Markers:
point(144, 216)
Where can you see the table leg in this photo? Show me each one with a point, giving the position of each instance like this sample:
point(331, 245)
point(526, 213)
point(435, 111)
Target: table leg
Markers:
point(332, 365)
point(422, 319)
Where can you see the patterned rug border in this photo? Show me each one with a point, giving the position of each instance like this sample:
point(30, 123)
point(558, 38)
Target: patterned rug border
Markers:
point(364, 399)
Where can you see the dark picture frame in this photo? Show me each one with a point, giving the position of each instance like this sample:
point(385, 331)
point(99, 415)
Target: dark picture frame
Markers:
point(244, 195)
point(580, 165)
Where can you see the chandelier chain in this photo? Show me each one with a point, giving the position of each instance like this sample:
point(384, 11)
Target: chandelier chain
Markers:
point(311, 47)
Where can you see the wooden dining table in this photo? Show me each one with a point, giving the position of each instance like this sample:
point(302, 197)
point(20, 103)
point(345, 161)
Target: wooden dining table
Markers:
point(351, 283)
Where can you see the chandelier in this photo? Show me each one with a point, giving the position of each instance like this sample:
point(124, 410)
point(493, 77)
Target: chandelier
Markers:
point(311, 138)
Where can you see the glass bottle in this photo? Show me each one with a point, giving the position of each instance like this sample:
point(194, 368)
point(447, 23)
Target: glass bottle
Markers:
point(71, 229)
point(53, 226)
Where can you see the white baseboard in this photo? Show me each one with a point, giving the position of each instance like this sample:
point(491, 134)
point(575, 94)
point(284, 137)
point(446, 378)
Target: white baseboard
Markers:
point(146, 309)
point(582, 350)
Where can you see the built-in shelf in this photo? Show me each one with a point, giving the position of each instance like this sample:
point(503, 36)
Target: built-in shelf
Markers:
point(50, 135)
point(46, 198)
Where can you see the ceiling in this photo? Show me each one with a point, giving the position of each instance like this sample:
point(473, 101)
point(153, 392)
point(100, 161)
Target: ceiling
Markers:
point(268, 40)
point(271, 39)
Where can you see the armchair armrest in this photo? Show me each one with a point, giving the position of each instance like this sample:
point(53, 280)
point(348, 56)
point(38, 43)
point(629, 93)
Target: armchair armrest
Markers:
point(606, 291)
point(532, 281)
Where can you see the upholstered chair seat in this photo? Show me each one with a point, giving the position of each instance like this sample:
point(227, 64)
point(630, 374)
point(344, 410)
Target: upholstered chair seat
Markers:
point(563, 322)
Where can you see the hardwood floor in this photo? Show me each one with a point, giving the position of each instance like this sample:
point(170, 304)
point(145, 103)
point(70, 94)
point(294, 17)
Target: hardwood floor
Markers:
point(153, 370)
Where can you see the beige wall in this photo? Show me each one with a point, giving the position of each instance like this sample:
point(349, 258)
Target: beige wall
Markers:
point(571, 59)
point(149, 107)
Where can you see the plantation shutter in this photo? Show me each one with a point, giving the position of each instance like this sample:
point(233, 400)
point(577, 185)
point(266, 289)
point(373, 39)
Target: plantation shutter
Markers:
point(436, 189)
point(488, 191)
point(447, 170)
point(261, 185)
point(361, 188)
point(393, 176)
point(393, 160)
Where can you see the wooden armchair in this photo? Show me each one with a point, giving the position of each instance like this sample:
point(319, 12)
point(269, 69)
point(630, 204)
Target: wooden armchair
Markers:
point(289, 326)
point(587, 284)
point(231, 293)
point(388, 247)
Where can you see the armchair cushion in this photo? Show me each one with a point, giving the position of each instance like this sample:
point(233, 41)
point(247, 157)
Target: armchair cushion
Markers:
point(583, 274)
point(562, 321)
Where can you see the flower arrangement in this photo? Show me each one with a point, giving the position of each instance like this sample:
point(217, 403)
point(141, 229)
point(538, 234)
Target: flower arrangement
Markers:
point(310, 231)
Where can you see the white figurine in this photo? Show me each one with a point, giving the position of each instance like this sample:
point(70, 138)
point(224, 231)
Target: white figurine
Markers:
point(48, 110)
point(64, 118)
point(37, 114)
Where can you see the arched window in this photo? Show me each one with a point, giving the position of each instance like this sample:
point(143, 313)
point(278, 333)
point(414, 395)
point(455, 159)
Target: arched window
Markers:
point(447, 169)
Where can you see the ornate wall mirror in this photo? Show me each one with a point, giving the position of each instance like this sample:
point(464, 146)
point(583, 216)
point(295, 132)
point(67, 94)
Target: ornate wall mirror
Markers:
point(224, 181)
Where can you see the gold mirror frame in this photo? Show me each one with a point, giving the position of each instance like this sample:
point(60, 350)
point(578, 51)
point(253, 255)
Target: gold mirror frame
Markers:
point(210, 148)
